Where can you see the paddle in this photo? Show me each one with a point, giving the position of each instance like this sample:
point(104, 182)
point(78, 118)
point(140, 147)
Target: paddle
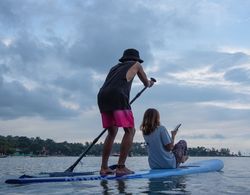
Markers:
point(71, 168)
point(67, 174)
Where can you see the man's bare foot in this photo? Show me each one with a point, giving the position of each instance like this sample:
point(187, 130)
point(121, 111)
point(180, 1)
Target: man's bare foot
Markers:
point(122, 170)
point(106, 171)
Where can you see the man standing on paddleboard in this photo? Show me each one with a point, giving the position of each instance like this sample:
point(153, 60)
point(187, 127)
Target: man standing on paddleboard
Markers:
point(113, 102)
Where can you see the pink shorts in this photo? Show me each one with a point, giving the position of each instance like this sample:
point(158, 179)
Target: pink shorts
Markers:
point(118, 118)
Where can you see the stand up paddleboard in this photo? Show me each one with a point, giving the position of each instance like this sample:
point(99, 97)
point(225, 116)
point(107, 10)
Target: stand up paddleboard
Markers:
point(189, 168)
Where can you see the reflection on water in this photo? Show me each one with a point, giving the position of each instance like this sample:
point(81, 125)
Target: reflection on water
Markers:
point(104, 184)
point(172, 185)
point(120, 185)
point(169, 185)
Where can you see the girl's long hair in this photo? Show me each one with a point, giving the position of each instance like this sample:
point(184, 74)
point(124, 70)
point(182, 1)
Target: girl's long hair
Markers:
point(151, 120)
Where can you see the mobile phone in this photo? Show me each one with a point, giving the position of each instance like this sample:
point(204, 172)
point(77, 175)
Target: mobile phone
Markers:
point(177, 127)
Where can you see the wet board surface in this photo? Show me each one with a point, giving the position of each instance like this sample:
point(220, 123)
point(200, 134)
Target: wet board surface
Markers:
point(189, 168)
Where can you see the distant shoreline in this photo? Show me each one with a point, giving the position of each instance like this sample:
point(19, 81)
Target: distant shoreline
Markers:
point(37, 147)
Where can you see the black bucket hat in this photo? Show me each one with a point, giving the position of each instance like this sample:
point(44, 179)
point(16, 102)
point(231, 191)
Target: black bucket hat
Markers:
point(131, 54)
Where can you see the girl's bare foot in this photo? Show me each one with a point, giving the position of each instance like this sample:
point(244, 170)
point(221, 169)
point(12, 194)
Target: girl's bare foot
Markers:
point(184, 159)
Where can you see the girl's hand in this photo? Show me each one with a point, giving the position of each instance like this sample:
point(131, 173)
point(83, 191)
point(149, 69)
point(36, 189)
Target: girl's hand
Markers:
point(173, 133)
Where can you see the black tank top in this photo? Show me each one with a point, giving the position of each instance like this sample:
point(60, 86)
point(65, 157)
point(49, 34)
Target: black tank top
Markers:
point(114, 94)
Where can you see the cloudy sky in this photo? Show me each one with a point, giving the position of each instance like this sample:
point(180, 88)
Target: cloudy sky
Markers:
point(54, 56)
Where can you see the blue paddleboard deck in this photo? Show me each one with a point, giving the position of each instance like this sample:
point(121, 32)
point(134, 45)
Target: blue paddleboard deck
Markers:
point(189, 168)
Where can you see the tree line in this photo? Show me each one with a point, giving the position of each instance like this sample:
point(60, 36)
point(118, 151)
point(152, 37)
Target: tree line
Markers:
point(21, 145)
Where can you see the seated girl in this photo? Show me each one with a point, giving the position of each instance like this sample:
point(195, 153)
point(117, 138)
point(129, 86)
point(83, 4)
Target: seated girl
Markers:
point(162, 152)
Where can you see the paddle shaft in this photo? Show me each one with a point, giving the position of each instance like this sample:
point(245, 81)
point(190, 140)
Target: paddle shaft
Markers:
point(71, 168)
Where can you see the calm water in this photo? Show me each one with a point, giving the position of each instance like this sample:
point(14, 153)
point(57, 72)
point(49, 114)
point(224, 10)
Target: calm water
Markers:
point(234, 179)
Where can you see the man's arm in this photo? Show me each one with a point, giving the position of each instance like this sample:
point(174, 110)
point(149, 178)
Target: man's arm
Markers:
point(142, 76)
point(137, 69)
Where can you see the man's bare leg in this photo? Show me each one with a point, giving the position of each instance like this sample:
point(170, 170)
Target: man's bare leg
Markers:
point(107, 147)
point(126, 144)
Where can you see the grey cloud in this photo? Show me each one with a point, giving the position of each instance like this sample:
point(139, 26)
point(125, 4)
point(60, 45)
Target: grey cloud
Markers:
point(26, 56)
point(29, 58)
point(203, 136)
point(74, 83)
point(20, 15)
point(218, 60)
point(16, 102)
point(7, 14)
point(218, 136)
point(99, 41)
point(78, 87)
point(200, 136)
point(3, 69)
point(224, 114)
point(244, 135)
point(238, 75)
point(185, 93)
point(226, 60)
point(96, 42)
point(96, 33)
